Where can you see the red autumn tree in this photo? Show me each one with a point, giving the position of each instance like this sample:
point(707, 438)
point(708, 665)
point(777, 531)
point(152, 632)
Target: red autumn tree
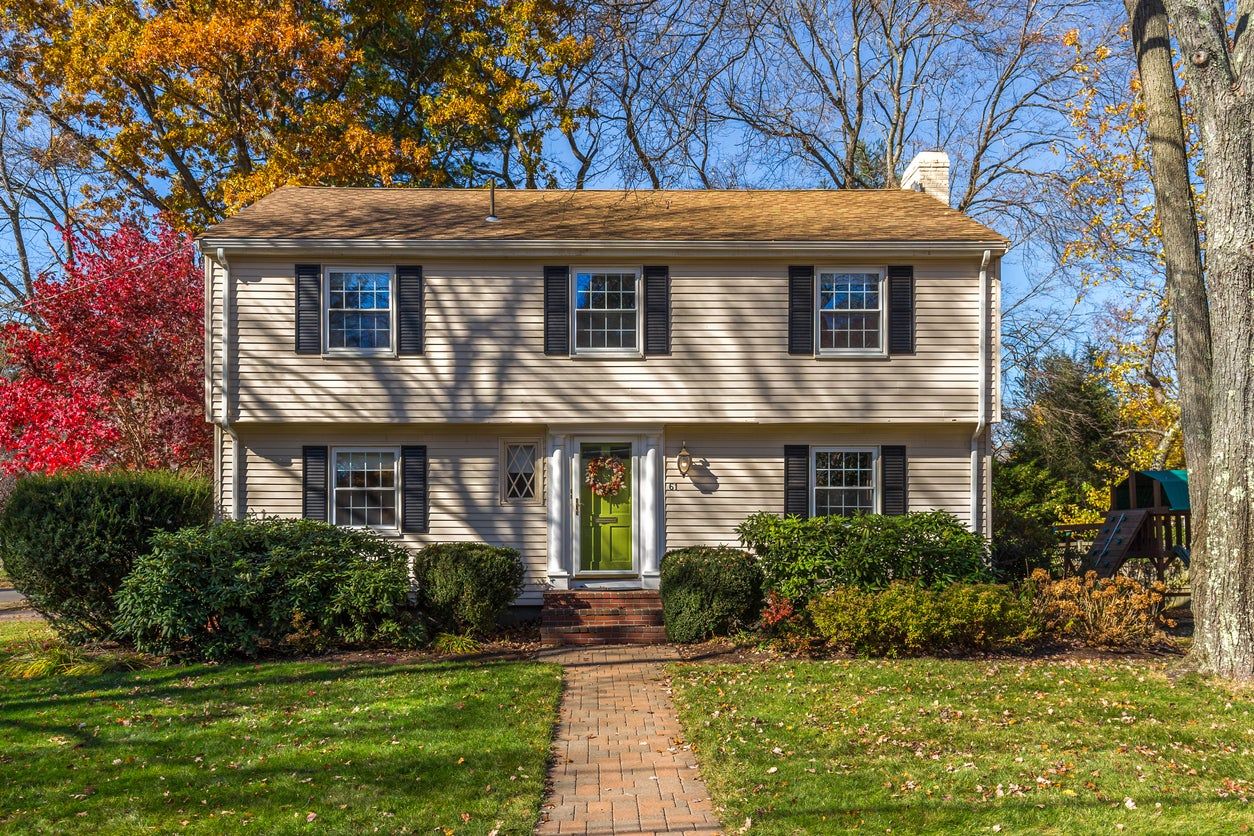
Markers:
point(110, 372)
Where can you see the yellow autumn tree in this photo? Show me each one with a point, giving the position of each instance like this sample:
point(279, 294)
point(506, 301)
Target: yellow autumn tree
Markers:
point(196, 107)
point(1117, 249)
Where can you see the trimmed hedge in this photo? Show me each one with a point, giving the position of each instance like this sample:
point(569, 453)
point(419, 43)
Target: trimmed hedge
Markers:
point(239, 588)
point(465, 587)
point(801, 557)
point(906, 619)
point(709, 591)
point(67, 541)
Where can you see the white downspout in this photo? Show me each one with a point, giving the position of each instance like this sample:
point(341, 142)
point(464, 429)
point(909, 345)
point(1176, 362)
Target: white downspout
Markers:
point(224, 413)
point(981, 421)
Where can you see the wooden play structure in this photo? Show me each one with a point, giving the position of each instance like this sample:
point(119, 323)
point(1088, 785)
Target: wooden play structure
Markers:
point(1148, 520)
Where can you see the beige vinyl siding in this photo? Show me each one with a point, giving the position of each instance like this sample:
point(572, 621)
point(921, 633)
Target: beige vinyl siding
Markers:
point(745, 472)
point(462, 475)
point(484, 358)
point(224, 486)
point(738, 471)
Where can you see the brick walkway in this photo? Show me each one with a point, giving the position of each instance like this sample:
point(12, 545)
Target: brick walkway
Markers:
point(618, 765)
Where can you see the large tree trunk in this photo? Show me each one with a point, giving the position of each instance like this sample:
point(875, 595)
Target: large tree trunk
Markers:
point(1221, 86)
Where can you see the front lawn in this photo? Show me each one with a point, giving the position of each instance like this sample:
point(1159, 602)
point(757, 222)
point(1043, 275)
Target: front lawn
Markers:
point(927, 746)
point(277, 747)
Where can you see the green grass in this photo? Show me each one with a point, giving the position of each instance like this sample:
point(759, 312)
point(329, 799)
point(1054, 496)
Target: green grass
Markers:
point(362, 748)
point(927, 746)
point(19, 631)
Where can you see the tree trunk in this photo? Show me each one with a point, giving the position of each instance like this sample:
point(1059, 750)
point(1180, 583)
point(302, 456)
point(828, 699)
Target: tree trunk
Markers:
point(1221, 87)
point(1177, 216)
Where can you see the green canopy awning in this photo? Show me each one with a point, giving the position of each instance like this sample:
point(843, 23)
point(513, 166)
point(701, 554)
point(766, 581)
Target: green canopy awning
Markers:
point(1175, 490)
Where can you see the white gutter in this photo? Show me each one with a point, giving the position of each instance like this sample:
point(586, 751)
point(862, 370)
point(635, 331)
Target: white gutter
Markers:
point(208, 332)
point(534, 247)
point(224, 412)
point(981, 421)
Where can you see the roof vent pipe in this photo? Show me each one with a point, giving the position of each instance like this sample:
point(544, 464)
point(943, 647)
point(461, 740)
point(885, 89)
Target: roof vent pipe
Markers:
point(492, 218)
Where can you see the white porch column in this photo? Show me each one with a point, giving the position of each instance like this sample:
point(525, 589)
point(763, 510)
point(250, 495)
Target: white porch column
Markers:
point(558, 513)
point(651, 524)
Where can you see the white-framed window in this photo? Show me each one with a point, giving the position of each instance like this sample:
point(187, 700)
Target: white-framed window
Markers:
point(844, 480)
point(849, 311)
point(365, 487)
point(606, 311)
point(360, 315)
point(521, 471)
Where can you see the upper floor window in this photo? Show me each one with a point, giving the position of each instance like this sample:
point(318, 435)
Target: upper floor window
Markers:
point(606, 312)
point(359, 311)
point(850, 311)
point(844, 480)
point(365, 487)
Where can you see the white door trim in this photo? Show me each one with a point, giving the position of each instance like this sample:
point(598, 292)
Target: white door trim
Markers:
point(564, 483)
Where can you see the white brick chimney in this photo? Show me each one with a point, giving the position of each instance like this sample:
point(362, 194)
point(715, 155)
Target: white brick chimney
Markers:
point(928, 172)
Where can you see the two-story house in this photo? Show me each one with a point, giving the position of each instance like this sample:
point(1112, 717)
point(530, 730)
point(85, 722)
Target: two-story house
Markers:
point(448, 365)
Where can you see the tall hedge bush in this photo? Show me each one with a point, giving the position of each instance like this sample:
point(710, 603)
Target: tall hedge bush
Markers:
point(801, 557)
point(68, 540)
point(240, 588)
point(465, 587)
point(709, 591)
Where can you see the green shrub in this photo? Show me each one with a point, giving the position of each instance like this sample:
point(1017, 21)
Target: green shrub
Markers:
point(709, 591)
point(801, 557)
point(67, 541)
point(242, 587)
point(906, 619)
point(465, 587)
point(1027, 503)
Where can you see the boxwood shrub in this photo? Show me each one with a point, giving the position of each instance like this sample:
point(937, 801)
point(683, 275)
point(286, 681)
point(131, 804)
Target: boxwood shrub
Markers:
point(709, 591)
point(465, 587)
point(906, 619)
point(68, 540)
point(801, 557)
point(240, 588)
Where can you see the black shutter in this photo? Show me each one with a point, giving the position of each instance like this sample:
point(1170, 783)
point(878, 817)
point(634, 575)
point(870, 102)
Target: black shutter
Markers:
point(409, 311)
point(893, 476)
point(801, 311)
point(657, 310)
point(414, 517)
point(314, 483)
point(797, 480)
point(557, 311)
point(308, 309)
point(901, 310)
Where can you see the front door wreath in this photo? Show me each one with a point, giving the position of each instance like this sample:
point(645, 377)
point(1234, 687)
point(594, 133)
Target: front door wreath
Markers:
point(605, 476)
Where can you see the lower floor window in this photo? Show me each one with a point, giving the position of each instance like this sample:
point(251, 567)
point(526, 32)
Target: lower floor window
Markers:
point(365, 488)
point(520, 479)
point(844, 481)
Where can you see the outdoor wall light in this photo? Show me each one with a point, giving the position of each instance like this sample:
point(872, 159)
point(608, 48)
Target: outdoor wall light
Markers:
point(683, 462)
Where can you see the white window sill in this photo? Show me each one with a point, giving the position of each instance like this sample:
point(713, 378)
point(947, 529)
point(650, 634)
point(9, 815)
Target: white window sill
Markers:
point(382, 532)
point(341, 353)
point(851, 355)
point(593, 354)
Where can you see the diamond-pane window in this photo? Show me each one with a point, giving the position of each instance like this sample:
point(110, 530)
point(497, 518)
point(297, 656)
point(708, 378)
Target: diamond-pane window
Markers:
point(521, 480)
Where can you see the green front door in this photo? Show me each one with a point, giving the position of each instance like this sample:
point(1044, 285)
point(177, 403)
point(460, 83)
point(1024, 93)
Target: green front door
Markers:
point(605, 521)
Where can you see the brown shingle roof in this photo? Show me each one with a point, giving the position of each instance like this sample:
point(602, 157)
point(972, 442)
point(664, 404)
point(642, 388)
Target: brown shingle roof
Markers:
point(326, 213)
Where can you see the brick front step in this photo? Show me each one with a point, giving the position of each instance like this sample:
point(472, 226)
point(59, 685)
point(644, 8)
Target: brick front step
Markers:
point(603, 635)
point(590, 617)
